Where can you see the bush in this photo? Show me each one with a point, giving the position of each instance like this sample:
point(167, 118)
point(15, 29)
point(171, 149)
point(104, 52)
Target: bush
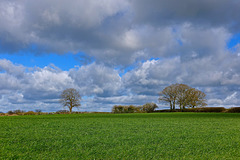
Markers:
point(129, 109)
point(62, 112)
point(118, 109)
point(234, 110)
point(149, 107)
point(125, 109)
point(212, 109)
point(18, 112)
point(163, 110)
point(205, 109)
point(191, 110)
point(38, 111)
point(10, 113)
point(30, 113)
point(76, 112)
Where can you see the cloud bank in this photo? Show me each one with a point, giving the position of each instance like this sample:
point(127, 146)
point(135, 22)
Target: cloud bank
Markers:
point(137, 48)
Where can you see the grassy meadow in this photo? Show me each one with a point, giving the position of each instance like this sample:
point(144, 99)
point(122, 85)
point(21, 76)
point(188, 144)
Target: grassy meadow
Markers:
point(121, 136)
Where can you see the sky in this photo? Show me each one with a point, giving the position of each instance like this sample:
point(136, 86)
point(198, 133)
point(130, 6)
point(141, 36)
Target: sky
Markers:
point(117, 51)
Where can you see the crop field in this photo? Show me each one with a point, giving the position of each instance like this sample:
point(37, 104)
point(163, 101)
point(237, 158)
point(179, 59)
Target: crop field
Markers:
point(121, 136)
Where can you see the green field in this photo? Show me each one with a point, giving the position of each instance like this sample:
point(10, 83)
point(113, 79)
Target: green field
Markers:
point(121, 136)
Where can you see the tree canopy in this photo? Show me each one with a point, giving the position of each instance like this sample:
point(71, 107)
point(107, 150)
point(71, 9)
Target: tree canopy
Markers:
point(183, 96)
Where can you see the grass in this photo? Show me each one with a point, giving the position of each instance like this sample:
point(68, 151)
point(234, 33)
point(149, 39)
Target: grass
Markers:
point(121, 136)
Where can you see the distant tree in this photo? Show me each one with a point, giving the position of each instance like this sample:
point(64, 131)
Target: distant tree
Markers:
point(149, 107)
point(18, 112)
point(10, 112)
point(182, 95)
point(38, 110)
point(70, 98)
point(169, 95)
point(196, 98)
point(118, 109)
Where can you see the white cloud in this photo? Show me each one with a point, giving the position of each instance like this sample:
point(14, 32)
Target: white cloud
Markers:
point(230, 98)
point(96, 79)
point(43, 86)
point(102, 87)
point(188, 42)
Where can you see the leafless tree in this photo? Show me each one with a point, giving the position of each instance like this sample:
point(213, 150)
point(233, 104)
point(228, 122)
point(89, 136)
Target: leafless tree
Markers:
point(70, 98)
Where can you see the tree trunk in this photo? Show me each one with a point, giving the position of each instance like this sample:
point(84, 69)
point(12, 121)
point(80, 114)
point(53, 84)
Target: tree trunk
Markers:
point(180, 106)
point(171, 106)
point(174, 105)
point(70, 110)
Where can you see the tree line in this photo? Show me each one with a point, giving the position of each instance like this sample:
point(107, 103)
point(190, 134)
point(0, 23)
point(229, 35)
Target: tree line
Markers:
point(184, 97)
point(180, 95)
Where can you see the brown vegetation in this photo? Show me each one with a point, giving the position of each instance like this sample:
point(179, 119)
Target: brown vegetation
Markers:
point(148, 107)
point(183, 96)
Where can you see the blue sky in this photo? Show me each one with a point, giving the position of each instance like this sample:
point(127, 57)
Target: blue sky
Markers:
point(233, 41)
point(64, 61)
point(117, 52)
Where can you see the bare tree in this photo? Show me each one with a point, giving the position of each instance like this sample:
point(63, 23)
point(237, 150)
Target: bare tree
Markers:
point(70, 98)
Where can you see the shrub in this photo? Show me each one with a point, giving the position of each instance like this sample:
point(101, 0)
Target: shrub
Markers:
point(163, 110)
point(118, 109)
point(130, 109)
point(212, 109)
point(76, 112)
point(38, 111)
point(191, 110)
point(30, 113)
point(205, 109)
point(18, 112)
point(139, 109)
point(62, 112)
point(234, 110)
point(10, 113)
point(125, 109)
point(2, 114)
point(149, 107)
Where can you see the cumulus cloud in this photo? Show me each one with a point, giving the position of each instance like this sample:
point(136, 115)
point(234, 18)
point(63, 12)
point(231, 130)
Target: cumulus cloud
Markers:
point(210, 74)
point(96, 79)
point(102, 86)
point(136, 48)
point(110, 31)
point(33, 86)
